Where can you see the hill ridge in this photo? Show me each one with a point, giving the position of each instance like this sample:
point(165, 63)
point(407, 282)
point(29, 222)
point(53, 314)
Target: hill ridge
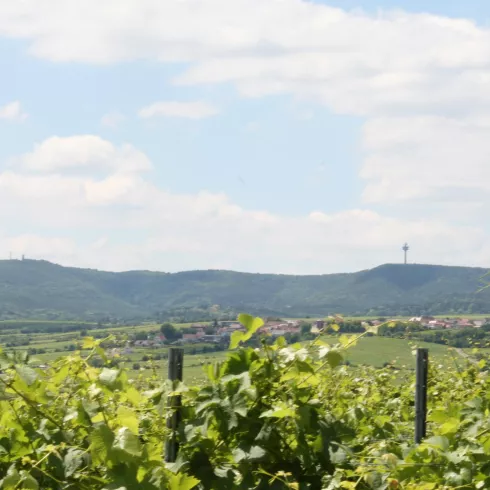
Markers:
point(46, 290)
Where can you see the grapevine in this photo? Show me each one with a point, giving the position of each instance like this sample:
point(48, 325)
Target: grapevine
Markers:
point(276, 416)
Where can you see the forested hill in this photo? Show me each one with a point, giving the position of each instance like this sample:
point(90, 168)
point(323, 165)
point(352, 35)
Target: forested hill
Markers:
point(40, 289)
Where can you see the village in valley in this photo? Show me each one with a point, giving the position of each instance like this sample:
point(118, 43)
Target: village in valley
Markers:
point(431, 322)
point(220, 332)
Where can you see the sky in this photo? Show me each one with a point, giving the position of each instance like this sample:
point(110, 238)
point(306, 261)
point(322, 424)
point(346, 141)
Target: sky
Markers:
point(283, 136)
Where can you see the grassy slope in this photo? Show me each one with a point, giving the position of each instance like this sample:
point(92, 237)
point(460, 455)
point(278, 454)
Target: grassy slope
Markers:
point(375, 351)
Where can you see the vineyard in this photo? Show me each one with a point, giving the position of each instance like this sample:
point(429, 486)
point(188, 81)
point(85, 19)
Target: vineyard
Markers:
point(275, 417)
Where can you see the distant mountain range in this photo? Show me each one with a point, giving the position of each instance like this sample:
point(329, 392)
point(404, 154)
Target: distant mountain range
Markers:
point(39, 289)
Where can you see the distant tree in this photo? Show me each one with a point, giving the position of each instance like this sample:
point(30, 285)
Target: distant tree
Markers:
point(170, 332)
point(305, 328)
point(145, 358)
point(293, 338)
point(136, 366)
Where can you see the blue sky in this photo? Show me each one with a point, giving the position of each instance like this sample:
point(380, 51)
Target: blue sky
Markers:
point(322, 155)
point(477, 10)
point(260, 151)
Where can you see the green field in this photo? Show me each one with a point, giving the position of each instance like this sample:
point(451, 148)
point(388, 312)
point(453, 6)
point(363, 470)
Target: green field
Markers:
point(374, 351)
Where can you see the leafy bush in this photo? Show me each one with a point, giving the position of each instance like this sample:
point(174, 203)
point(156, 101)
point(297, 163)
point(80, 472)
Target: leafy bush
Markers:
point(275, 417)
point(78, 427)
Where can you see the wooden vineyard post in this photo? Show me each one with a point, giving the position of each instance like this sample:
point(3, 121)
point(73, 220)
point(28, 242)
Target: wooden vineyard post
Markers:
point(175, 372)
point(422, 369)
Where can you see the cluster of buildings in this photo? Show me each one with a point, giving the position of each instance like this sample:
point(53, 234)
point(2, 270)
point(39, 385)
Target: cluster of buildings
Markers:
point(277, 329)
point(427, 322)
point(223, 332)
point(440, 323)
point(199, 333)
point(155, 341)
point(220, 334)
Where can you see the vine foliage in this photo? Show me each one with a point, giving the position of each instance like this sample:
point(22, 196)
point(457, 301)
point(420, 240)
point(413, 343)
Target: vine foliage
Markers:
point(275, 417)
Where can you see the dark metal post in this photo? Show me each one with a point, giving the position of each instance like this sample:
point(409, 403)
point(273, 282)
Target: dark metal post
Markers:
point(422, 370)
point(175, 372)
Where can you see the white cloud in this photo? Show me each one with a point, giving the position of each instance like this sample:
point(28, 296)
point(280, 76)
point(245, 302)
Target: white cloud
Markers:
point(112, 119)
point(391, 67)
point(13, 112)
point(420, 83)
point(187, 110)
point(354, 62)
point(84, 152)
point(123, 221)
point(424, 158)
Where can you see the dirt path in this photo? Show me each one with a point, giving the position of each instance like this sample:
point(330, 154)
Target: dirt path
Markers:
point(466, 356)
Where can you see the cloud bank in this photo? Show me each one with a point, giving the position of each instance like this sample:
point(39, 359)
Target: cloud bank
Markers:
point(419, 82)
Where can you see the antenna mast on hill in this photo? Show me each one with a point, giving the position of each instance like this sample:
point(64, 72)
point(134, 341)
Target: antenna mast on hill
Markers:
point(405, 249)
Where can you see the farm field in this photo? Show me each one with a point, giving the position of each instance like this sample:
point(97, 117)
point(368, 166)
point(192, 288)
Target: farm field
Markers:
point(376, 351)
point(371, 351)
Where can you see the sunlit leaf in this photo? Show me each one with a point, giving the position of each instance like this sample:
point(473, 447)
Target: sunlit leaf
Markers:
point(236, 338)
point(108, 377)
point(88, 343)
point(27, 374)
point(182, 481)
point(127, 441)
point(334, 358)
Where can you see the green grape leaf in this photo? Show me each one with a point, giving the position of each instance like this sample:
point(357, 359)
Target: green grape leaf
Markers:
point(255, 453)
point(182, 481)
point(108, 377)
point(11, 480)
point(251, 324)
point(28, 482)
point(127, 442)
point(101, 440)
point(72, 461)
point(334, 358)
point(439, 442)
point(27, 374)
point(236, 338)
point(128, 418)
point(278, 413)
point(89, 343)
